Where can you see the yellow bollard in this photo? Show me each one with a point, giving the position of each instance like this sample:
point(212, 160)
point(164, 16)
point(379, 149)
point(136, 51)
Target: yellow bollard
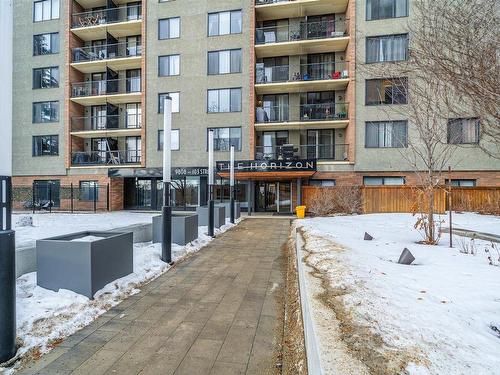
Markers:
point(301, 211)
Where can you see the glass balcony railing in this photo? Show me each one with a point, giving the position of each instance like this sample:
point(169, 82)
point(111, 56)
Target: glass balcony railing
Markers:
point(106, 122)
point(113, 157)
point(106, 87)
point(336, 152)
point(304, 112)
point(308, 72)
point(107, 16)
point(302, 31)
point(105, 52)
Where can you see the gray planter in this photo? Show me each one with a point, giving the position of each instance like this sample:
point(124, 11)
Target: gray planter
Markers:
point(84, 266)
point(227, 206)
point(184, 228)
point(219, 216)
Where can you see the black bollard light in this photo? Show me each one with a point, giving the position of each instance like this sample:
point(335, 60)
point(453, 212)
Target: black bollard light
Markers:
point(166, 243)
point(7, 235)
point(211, 203)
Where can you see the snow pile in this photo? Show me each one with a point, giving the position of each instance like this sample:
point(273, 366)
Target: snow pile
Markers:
point(44, 315)
point(88, 238)
point(440, 309)
point(54, 224)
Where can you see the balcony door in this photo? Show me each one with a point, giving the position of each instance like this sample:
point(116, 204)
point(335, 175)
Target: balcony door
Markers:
point(134, 80)
point(318, 66)
point(270, 141)
point(134, 45)
point(99, 51)
point(134, 11)
point(134, 116)
point(105, 150)
point(133, 145)
point(275, 108)
point(317, 105)
point(321, 144)
point(98, 83)
point(98, 117)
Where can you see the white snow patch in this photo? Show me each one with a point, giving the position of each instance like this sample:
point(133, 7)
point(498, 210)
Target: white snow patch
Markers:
point(88, 238)
point(443, 305)
point(44, 315)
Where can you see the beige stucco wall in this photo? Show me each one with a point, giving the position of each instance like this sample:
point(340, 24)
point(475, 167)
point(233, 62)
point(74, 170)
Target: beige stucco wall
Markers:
point(24, 95)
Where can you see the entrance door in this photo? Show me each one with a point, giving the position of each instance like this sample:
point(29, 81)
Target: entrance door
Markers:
point(273, 197)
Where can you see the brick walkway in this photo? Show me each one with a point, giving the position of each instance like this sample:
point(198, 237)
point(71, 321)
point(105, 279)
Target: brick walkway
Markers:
point(216, 313)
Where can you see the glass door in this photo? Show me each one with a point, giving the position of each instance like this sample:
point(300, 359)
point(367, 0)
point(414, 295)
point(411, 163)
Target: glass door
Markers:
point(284, 197)
point(266, 197)
point(143, 191)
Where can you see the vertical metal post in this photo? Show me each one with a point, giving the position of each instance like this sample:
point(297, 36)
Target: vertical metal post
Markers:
point(107, 196)
point(166, 244)
point(95, 197)
point(33, 196)
point(71, 196)
point(211, 203)
point(50, 196)
point(7, 235)
point(449, 206)
point(231, 185)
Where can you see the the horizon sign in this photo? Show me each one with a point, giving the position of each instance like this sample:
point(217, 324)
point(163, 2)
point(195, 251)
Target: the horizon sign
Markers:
point(269, 165)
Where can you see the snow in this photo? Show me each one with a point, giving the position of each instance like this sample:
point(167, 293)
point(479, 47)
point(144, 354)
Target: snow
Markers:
point(88, 238)
point(440, 309)
point(54, 224)
point(44, 315)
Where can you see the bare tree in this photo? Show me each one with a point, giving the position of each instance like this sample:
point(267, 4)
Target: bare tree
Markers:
point(457, 42)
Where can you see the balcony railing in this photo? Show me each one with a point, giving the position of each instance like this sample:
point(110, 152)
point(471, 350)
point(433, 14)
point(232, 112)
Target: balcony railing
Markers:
point(114, 157)
point(336, 152)
point(308, 72)
point(306, 112)
point(105, 52)
point(302, 31)
point(107, 16)
point(106, 87)
point(106, 122)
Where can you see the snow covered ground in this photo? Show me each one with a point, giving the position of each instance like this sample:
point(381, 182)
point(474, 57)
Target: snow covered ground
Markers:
point(438, 312)
point(54, 224)
point(44, 315)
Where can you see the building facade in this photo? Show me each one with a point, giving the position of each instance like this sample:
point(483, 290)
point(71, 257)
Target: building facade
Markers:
point(280, 80)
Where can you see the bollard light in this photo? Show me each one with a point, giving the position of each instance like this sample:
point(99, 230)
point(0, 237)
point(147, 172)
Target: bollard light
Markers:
point(166, 244)
point(231, 185)
point(211, 203)
point(7, 235)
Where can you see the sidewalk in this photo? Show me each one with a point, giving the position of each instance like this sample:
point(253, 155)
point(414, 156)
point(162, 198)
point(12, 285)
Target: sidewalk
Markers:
point(215, 313)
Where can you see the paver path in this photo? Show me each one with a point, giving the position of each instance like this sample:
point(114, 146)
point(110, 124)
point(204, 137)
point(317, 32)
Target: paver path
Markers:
point(215, 313)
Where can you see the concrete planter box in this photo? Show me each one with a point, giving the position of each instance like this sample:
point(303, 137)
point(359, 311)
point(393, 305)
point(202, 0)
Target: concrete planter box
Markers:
point(184, 228)
point(219, 216)
point(84, 266)
point(227, 206)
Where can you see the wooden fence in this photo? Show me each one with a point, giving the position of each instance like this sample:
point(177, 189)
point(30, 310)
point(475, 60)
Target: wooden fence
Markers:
point(385, 199)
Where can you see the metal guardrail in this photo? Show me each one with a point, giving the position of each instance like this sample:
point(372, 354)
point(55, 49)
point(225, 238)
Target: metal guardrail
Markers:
point(106, 87)
point(308, 72)
point(106, 52)
point(302, 31)
point(107, 16)
point(306, 112)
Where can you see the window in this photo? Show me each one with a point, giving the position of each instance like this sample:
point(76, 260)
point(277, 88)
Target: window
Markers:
point(380, 9)
point(45, 112)
point(323, 183)
point(387, 48)
point(45, 145)
point(386, 134)
point(386, 91)
point(224, 138)
point(367, 180)
point(223, 62)
point(461, 182)
point(174, 140)
point(224, 23)
point(168, 65)
point(134, 115)
point(45, 77)
point(45, 10)
point(45, 44)
point(133, 80)
point(463, 130)
point(89, 190)
point(224, 100)
point(169, 28)
point(175, 101)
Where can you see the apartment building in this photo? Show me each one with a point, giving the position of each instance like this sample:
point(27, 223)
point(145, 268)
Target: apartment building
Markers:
point(277, 79)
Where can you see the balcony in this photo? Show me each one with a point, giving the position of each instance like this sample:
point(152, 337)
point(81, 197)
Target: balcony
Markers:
point(106, 126)
point(331, 115)
point(118, 56)
point(119, 22)
point(311, 77)
point(279, 9)
point(331, 152)
point(114, 91)
point(105, 158)
point(301, 39)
